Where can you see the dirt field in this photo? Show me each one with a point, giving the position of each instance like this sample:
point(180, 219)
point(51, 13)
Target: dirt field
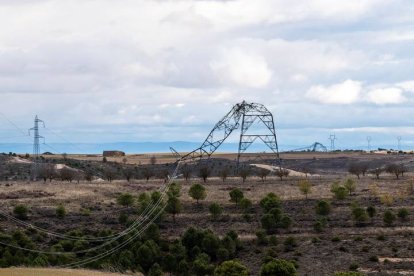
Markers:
point(339, 246)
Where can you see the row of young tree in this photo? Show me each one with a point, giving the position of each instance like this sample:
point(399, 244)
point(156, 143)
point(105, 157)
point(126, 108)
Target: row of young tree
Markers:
point(363, 168)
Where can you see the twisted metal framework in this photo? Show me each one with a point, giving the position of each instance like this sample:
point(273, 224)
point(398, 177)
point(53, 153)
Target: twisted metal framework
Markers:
point(249, 113)
point(36, 147)
point(313, 148)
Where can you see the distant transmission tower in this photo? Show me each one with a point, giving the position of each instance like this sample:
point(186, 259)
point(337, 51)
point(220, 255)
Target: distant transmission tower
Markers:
point(332, 138)
point(369, 143)
point(399, 138)
point(36, 147)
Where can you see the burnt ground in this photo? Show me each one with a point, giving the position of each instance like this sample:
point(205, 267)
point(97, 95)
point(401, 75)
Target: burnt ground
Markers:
point(92, 207)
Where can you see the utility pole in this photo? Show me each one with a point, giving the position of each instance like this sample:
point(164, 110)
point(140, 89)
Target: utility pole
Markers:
point(36, 147)
point(332, 138)
point(369, 143)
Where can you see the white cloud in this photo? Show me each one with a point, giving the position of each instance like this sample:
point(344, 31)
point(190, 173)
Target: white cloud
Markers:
point(347, 92)
point(241, 68)
point(382, 96)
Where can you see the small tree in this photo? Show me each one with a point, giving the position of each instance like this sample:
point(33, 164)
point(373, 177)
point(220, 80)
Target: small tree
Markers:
point(204, 173)
point(244, 173)
point(124, 160)
point(236, 195)
point(215, 210)
point(174, 206)
point(147, 173)
point(128, 173)
point(356, 169)
point(60, 211)
point(263, 173)
point(224, 173)
point(109, 173)
point(377, 172)
point(67, 174)
point(231, 268)
point(125, 199)
point(197, 192)
point(21, 211)
point(389, 218)
point(394, 169)
point(350, 185)
point(282, 173)
point(305, 187)
point(88, 176)
point(186, 171)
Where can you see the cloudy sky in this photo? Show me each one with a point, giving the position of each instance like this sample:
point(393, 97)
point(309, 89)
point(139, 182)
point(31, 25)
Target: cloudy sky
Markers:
point(132, 70)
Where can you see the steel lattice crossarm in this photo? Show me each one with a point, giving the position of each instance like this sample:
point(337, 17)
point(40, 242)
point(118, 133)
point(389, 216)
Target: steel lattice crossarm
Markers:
point(249, 113)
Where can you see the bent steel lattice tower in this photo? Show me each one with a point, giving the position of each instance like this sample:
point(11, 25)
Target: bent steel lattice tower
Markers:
point(248, 113)
point(36, 146)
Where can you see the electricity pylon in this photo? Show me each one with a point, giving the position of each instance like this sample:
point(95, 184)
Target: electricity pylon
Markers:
point(36, 147)
point(332, 138)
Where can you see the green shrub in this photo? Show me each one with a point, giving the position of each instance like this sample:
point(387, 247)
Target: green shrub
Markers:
point(215, 210)
point(336, 239)
point(21, 211)
point(261, 237)
point(340, 192)
point(246, 205)
point(360, 215)
point(389, 218)
point(270, 201)
point(156, 196)
point(236, 195)
point(60, 211)
point(290, 243)
point(231, 268)
point(323, 208)
point(123, 218)
point(197, 192)
point(125, 199)
point(371, 211)
point(373, 259)
point(320, 224)
point(403, 214)
point(278, 267)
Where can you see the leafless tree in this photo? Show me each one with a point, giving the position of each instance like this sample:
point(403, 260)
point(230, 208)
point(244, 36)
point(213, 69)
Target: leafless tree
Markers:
point(186, 170)
point(164, 175)
point(109, 173)
point(224, 172)
point(204, 173)
point(396, 169)
point(47, 171)
point(89, 176)
point(356, 169)
point(147, 173)
point(244, 173)
point(67, 174)
point(263, 173)
point(282, 173)
point(128, 173)
point(377, 172)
